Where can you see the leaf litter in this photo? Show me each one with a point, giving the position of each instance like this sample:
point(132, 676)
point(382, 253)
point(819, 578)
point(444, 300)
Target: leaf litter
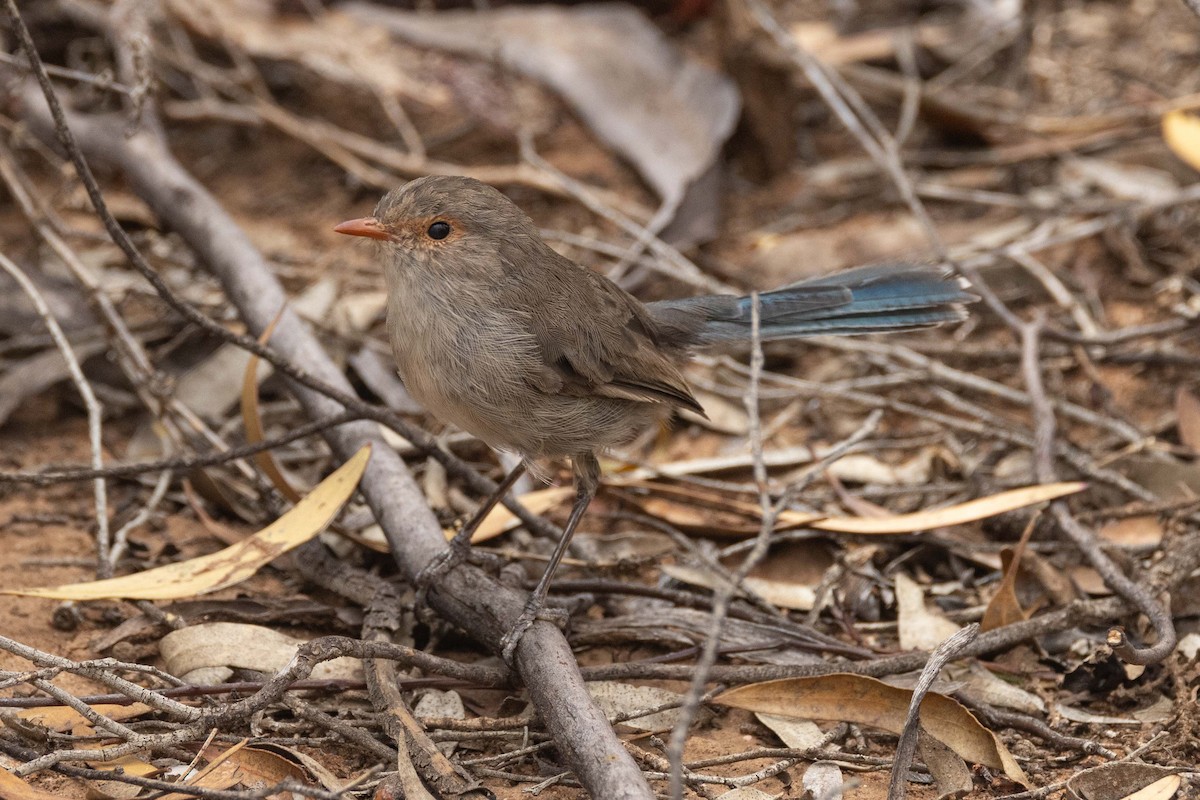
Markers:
point(1076, 152)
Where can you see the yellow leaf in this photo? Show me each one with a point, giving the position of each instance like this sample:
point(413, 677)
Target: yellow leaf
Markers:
point(1181, 132)
point(252, 420)
point(14, 788)
point(501, 519)
point(960, 514)
point(689, 508)
point(234, 564)
point(1162, 789)
point(856, 698)
point(67, 720)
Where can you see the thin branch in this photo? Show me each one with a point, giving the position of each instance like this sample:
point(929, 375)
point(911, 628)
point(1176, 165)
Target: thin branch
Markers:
point(94, 412)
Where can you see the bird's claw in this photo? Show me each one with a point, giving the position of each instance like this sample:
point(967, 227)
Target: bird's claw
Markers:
point(533, 611)
point(458, 552)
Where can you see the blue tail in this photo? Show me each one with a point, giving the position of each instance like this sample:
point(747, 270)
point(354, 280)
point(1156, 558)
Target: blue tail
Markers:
point(874, 299)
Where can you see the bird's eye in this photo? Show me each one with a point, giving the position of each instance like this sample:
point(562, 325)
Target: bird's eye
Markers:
point(439, 230)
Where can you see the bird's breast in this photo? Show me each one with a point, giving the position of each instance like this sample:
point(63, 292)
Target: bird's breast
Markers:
point(468, 363)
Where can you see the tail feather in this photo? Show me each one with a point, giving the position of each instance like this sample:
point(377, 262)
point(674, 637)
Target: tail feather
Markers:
point(873, 299)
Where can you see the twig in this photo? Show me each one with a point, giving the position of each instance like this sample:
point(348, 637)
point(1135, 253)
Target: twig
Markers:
point(94, 412)
point(176, 463)
point(906, 748)
point(1137, 594)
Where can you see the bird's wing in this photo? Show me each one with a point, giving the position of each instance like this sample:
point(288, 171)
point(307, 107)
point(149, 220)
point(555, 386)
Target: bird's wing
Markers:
point(596, 339)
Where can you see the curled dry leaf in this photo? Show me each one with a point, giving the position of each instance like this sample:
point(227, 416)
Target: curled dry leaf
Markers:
point(234, 644)
point(1005, 607)
point(867, 701)
point(252, 420)
point(235, 563)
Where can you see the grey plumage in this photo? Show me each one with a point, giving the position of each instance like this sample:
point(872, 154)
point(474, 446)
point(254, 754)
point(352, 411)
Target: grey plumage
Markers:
point(495, 332)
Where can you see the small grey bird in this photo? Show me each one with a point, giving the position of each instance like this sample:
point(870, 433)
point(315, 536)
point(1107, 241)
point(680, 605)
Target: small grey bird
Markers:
point(495, 332)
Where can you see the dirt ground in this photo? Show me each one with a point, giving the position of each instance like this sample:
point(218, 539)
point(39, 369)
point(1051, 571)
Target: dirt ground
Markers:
point(1049, 145)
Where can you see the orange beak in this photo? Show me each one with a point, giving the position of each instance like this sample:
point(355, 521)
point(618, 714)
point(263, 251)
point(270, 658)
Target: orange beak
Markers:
point(367, 226)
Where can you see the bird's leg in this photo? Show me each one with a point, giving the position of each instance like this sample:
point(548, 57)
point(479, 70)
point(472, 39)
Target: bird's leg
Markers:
point(459, 549)
point(587, 479)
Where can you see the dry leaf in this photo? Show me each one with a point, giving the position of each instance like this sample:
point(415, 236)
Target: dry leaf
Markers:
point(501, 519)
point(14, 788)
point(720, 414)
point(993, 690)
point(1144, 531)
point(67, 720)
point(1121, 181)
point(1005, 607)
point(1119, 781)
point(794, 596)
point(1181, 132)
point(1187, 410)
point(235, 644)
point(970, 511)
point(826, 43)
point(920, 628)
point(950, 772)
point(222, 772)
point(857, 698)
point(252, 420)
point(746, 793)
point(801, 734)
point(1162, 789)
point(788, 578)
point(614, 697)
point(823, 779)
point(681, 506)
point(234, 564)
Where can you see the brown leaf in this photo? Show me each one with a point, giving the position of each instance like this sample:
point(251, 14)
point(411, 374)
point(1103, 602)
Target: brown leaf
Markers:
point(1005, 608)
point(1187, 410)
point(252, 420)
point(857, 698)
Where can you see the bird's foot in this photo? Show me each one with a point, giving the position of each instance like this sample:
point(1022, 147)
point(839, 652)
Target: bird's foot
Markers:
point(458, 552)
point(534, 610)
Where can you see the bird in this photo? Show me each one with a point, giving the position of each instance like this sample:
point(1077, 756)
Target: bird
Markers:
point(495, 332)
